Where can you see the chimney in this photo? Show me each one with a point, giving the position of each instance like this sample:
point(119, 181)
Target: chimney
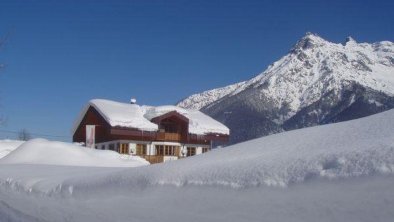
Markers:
point(133, 101)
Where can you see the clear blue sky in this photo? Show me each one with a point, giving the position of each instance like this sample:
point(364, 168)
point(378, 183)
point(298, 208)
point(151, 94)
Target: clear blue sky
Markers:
point(61, 54)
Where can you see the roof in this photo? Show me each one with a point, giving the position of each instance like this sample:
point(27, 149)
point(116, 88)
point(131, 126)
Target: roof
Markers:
point(139, 117)
point(199, 123)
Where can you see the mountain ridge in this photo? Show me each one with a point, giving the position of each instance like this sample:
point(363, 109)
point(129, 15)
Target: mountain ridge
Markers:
point(317, 82)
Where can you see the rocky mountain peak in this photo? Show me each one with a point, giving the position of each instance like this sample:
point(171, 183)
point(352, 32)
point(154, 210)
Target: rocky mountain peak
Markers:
point(349, 40)
point(309, 41)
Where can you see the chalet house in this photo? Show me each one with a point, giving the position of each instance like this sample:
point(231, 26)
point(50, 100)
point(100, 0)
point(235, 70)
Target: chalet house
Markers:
point(157, 134)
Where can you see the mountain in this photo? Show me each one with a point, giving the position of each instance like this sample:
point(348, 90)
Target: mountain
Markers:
point(317, 82)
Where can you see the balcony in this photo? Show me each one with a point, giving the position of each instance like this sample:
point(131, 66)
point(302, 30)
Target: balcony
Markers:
point(162, 136)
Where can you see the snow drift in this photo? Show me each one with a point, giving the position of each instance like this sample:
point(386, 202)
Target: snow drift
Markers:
point(361, 147)
point(41, 151)
point(6, 146)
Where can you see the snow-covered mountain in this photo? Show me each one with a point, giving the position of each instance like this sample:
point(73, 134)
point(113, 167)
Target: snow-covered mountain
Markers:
point(317, 82)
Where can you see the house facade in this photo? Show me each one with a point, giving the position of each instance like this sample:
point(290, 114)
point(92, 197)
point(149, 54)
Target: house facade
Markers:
point(158, 134)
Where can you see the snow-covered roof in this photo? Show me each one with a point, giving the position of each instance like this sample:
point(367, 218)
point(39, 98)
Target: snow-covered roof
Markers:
point(199, 123)
point(119, 114)
point(138, 117)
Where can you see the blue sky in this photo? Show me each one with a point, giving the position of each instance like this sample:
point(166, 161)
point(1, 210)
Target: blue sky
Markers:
point(61, 54)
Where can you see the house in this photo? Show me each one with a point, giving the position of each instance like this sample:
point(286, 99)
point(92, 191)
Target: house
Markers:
point(157, 134)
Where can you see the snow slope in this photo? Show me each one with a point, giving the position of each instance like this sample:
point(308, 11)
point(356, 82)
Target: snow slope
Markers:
point(335, 172)
point(41, 151)
point(200, 100)
point(312, 68)
point(6, 146)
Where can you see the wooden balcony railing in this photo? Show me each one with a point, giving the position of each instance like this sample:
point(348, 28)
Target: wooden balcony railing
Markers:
point(168, 136)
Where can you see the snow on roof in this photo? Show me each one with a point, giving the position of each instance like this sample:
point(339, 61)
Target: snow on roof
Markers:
point(135, 116)
point(119, 114)
point(199, 123)
point(152, 112)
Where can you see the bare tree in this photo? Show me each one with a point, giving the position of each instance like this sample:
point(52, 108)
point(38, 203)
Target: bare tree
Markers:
point(24, 135)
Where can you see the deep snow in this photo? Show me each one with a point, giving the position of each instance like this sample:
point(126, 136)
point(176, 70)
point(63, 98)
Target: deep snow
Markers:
point(336, 172)
point(41, 151)
point(6, 146)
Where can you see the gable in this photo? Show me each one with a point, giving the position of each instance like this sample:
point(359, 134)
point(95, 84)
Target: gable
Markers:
point(172, 114)
point(91, 117)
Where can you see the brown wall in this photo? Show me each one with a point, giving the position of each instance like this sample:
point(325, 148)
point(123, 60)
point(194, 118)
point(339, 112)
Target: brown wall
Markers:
point(92, 117)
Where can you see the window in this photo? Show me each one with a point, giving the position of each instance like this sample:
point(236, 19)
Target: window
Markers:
point(159, 150)
point(191, 151)
point(166, 150)
point(169, 126)
point(124, 148)
point(169, 150)
point(141, 149)
point(111, 147)
point(205, 149)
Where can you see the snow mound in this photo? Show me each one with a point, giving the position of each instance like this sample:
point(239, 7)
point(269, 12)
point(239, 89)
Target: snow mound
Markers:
point(41, 151)
point(6, 146)
point(362, 147)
